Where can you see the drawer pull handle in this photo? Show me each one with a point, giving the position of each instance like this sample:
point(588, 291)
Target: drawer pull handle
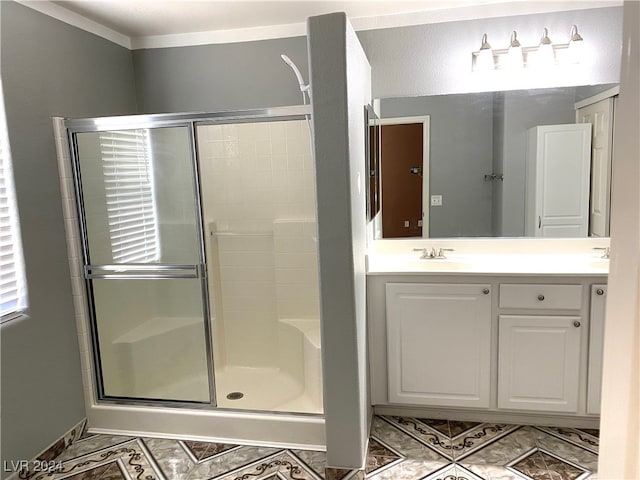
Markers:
point(485, 291)
point(541, 297)
point(600, 291)
point(576, 323)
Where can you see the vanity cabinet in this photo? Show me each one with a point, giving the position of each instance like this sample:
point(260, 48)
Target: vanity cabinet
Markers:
point(515, 348)
point(439, 344)
point(538, 353)
point(539, 362)
point(596, 344)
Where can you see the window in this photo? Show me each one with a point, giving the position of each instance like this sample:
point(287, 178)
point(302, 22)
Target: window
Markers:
point(12, 281)
point(131, 211)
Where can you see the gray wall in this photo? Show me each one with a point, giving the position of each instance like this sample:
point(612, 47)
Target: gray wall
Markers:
point(429, 59)
point(460, 154)
point(342, 78)
point(209, 78)
point(48, 68)
point(436, 59)
point(498, 164)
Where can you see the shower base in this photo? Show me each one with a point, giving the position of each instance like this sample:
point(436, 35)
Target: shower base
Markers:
point(263, 389)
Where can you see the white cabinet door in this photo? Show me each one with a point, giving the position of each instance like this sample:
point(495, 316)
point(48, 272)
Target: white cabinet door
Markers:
point(600, 116)
point(539, 362)
point(558, 171)
point(596, 338)
point(439, 341)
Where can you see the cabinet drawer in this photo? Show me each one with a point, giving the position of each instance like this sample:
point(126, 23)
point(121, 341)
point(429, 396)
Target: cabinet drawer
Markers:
point(551, 297)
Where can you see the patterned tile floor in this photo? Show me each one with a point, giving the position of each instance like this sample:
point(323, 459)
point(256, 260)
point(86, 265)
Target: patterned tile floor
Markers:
point(400, 448)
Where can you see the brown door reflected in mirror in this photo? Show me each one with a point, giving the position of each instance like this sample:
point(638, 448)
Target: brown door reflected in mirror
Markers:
point(401, 158)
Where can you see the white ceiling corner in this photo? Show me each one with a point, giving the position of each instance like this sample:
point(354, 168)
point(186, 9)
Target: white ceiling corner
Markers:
point(80, 21)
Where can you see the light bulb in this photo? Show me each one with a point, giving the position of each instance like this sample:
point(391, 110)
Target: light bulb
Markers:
point(576, 46)
point(545, 56)
point(484, 59)
point(514, 54)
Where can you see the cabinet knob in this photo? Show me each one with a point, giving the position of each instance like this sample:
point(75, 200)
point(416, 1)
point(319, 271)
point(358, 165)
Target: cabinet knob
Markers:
point(600, 291)
point(576, 323)
point(486, 291)
point(541, 297)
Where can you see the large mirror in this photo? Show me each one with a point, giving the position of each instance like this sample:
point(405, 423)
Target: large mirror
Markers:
point(497, 164)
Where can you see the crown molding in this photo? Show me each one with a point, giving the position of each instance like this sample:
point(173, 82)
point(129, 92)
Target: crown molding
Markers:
point(67, 16)
point(497, 8)
point(220, 36)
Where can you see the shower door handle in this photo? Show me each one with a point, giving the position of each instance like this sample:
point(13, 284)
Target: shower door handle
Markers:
point(142, 272)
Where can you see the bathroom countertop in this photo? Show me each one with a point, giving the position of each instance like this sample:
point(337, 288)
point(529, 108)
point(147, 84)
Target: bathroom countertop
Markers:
point(490, 264)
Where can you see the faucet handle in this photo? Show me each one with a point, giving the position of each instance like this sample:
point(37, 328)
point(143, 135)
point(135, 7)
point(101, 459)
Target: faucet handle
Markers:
point(440, 253)
point(425, 253)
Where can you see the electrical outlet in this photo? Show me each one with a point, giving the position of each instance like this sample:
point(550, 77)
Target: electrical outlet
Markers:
point(436, 200)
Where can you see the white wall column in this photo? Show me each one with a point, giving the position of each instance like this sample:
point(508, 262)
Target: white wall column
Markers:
point(620, 416)
point(341, 87)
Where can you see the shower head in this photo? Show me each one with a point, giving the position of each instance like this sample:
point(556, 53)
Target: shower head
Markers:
point(289, 62)
point(303, 88)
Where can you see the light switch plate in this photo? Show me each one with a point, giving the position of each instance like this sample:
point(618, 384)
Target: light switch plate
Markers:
point(436, 200)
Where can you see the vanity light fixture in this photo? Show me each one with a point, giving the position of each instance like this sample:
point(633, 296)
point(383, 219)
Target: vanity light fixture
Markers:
point(545, 54)
point(575, 45)
point(484, 59)
point(514, 55)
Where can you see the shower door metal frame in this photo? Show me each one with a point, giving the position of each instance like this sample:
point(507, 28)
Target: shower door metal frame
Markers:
point(153, 271)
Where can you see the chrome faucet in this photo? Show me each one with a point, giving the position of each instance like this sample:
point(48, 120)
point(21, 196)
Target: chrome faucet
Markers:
point(433, 253)
point(606, 251)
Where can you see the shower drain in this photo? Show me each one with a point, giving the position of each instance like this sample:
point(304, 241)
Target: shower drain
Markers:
point(235, 396)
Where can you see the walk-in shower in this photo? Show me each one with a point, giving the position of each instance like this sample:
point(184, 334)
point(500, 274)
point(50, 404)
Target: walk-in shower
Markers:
point(199, 255)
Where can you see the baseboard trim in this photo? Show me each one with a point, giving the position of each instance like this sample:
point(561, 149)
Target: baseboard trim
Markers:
point(56, 448)
point(540, 419)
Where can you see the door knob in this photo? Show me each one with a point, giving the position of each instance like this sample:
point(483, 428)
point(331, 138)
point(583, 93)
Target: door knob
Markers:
point(600, 291)
point(576, 323)
point(541, 297)
point(485, 291)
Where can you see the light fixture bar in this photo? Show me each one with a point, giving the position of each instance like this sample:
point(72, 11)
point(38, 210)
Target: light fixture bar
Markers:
point(500, 56)
point(563, 53)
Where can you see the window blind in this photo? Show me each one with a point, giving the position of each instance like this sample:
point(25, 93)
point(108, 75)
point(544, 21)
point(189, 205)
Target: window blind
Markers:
point(12, 282)
point(131, 209)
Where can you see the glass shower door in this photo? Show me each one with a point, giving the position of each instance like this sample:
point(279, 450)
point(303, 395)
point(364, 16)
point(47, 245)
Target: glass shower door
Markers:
point(144, 263)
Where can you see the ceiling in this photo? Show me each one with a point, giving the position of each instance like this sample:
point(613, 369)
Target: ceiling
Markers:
point(139, 18)
point(169, 23)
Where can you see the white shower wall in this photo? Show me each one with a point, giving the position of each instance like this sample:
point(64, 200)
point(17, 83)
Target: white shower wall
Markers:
point(258, 193)
point(255, 173)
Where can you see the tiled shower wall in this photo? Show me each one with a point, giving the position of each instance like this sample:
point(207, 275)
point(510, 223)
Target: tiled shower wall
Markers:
point(247, 299)
point(258, 192)
point(74, 250)
point(255, 173)
point(296, 269)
